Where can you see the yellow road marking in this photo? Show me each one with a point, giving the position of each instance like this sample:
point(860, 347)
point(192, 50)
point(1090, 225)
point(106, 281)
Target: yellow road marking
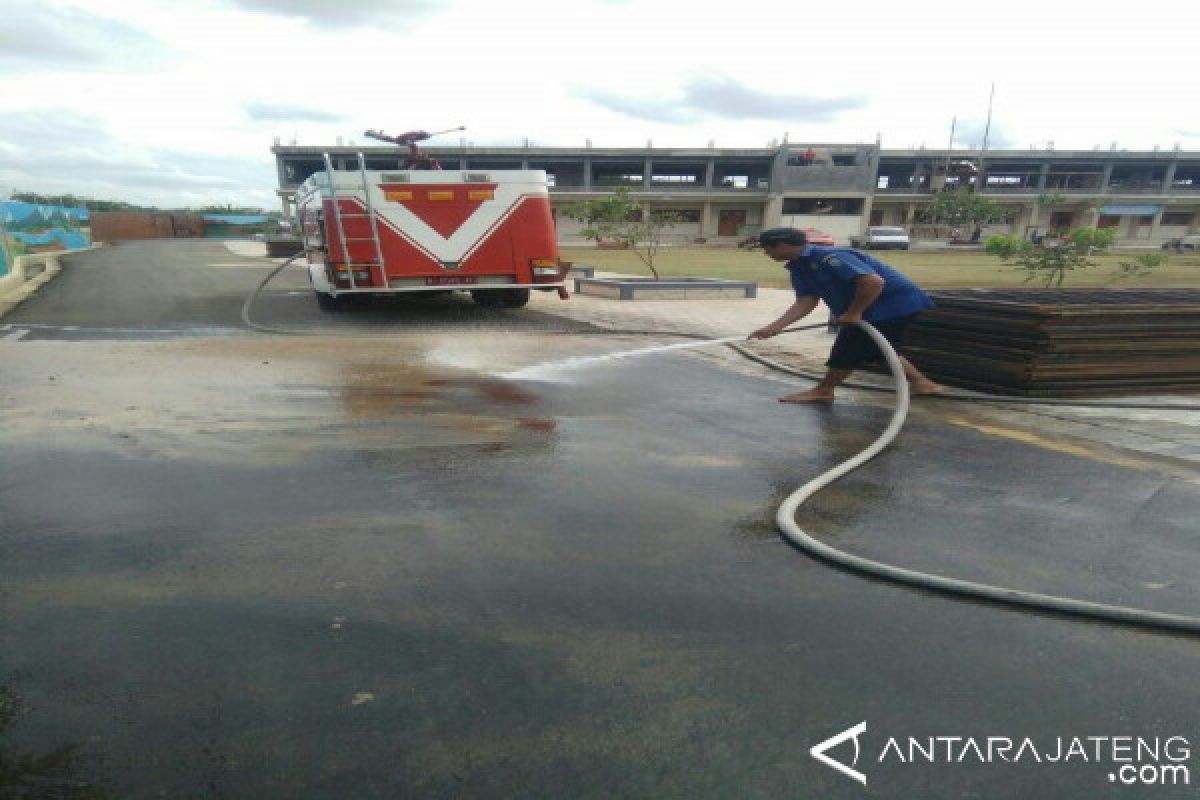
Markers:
point(1102, 454)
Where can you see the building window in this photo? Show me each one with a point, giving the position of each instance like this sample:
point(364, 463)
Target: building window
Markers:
point(819, 205)
point(1177, 217)
point(618, 180)
point(682, 215)
point(1078, 179)
point(1060, 220)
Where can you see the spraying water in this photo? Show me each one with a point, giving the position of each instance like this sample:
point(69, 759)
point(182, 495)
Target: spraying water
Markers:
point(546, 372)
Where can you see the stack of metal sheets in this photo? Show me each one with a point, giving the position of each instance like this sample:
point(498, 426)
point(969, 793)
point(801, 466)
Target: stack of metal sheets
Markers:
point(1061, 342)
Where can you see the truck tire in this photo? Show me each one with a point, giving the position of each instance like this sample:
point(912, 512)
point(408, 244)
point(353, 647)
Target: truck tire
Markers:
point(501, 298)
point(513, 298)
point(327, 302)
point(488, 298)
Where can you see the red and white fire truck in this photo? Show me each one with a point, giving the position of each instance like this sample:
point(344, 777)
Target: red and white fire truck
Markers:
point(486, 231)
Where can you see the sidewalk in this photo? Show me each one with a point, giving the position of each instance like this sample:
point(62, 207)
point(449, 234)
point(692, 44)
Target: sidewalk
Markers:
point(1171, 438)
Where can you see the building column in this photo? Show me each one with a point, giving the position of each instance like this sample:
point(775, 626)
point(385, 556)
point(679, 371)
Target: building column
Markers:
point(707, 228)
point(1155, 222)
point(1044, 177)
point(868, 201)
point(1106, 177)
point(910, 213)
point(1169, 177)
point(647, 174)
point(773, 211)
point(587, 174)
point(710, 171)
point(918, 170)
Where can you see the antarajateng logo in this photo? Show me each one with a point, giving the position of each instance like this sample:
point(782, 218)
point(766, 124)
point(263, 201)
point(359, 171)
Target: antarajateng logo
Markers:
point(1128, 760)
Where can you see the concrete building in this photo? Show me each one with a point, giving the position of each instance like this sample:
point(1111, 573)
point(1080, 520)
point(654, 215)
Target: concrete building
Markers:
point(723, 195)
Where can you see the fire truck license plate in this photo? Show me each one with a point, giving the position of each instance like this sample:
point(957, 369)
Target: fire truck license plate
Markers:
point(450, 280)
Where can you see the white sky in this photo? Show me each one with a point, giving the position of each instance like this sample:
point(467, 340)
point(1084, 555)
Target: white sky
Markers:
point(176, 103)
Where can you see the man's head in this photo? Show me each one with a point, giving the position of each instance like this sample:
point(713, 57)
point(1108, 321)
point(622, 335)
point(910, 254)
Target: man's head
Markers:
point(782, 244)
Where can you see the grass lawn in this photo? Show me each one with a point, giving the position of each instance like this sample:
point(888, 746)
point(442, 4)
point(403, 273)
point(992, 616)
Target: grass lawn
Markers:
point(932, 270)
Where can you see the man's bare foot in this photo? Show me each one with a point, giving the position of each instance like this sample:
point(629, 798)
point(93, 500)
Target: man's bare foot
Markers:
point(924, 387)
point(811, 396)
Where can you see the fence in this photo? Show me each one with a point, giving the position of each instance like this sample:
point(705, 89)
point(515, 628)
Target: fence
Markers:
point(27, 228)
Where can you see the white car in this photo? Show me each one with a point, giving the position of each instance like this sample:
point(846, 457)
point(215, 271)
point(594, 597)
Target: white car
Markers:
point(881, 238)
point(1190, 241)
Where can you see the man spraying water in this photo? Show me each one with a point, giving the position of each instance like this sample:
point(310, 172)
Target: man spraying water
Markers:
point(856, 287)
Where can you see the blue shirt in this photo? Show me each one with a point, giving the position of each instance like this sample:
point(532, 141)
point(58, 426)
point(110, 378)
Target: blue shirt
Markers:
point(830, 272)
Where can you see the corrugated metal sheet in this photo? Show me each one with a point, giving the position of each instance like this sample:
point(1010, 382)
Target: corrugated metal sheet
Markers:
point(111, 226)
point(1043, 342)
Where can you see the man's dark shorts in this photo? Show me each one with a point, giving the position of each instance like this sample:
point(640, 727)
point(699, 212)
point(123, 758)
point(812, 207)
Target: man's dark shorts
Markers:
point(853, 347)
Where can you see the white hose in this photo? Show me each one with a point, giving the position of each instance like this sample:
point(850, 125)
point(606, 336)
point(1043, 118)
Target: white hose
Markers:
point(785, 518)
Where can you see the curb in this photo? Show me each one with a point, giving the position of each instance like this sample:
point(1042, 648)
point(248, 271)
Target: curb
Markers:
point(29, 273)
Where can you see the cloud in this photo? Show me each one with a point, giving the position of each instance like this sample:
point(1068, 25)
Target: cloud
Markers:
point(653, 110)
point(268, 112)
point(723, 98)
point(61, 151)
point(969, 133)
point(345, 13)
point(45, 38)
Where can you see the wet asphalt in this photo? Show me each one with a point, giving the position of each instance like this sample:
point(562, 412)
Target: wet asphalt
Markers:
point(364, 564)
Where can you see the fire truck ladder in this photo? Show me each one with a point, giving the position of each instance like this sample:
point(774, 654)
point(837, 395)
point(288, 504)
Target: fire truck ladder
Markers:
point(370, 216)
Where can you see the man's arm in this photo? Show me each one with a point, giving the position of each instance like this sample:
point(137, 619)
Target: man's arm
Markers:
point(867, 289)
point(798, 310)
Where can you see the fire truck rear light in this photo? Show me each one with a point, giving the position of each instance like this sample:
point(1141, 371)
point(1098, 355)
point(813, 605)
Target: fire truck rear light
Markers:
point(481, 195)
point(441, 195)
point(543, 262)
point(398, 197)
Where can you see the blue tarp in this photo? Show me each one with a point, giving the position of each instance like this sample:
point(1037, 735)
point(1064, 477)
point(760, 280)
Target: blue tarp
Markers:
point(14, 212)
point(72, 240)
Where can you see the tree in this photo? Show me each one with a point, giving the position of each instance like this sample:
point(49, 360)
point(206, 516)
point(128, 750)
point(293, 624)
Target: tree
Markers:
point(620, 219)
point(962, 207)
point(73, 201)
point(1051, 261)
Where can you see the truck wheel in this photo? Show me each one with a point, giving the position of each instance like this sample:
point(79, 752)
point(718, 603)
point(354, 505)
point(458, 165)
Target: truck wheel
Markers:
point(327, 302)
point(489, 298)
point(513, 298)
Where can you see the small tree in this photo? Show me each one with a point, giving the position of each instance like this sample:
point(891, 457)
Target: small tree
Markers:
point(1142, 264)
point(620, 219)
point(962, 207)
point(1050, 262)
point(1002, 245)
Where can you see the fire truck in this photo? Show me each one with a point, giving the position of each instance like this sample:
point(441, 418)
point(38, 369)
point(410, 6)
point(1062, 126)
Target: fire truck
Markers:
point(423, 229)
